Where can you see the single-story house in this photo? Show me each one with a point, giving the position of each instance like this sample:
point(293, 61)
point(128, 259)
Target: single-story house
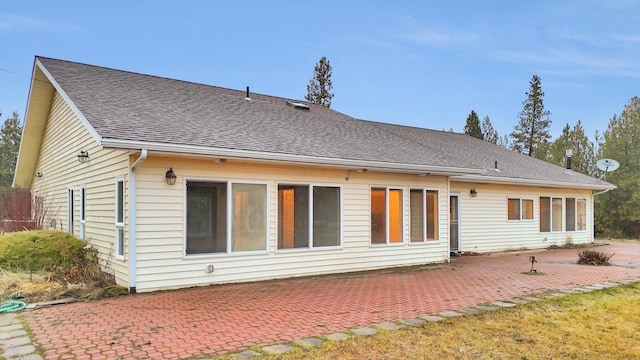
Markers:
point(182, 184)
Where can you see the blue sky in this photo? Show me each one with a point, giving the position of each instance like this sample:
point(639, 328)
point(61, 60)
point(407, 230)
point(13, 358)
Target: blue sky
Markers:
point(419, 63)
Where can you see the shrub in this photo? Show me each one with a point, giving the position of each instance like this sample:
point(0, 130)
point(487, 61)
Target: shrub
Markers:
point(592, 257)
point(39, 250)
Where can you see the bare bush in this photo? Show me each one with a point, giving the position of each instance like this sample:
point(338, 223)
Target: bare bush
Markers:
point(592, 257)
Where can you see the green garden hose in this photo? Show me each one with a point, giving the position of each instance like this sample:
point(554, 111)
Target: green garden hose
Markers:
point(12, 306)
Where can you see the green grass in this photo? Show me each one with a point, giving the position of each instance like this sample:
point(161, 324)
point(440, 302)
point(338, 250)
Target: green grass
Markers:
point(604, 324)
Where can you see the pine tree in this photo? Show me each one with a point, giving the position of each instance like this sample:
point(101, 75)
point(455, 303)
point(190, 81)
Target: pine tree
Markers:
point(10, 136)
point(532, 131)
point(574, 139)
point(617, 212)
point(472, 127)
point(490, 134)
point(504, 141)
point(320, 85)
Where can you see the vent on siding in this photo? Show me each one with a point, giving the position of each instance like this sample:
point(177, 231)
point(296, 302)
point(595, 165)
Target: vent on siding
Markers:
point(297, 105)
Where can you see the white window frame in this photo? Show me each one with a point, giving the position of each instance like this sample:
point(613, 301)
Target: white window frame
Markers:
point(424, 216)
point(575, 208)
point(229, 218)
point(521, 201)
point(83, 211)
point(119, 237)
point(387, 189)
point(70, 195)
point(562, 214)
point(310, 246)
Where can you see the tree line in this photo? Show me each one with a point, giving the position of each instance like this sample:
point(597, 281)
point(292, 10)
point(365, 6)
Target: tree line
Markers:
point(617, 213)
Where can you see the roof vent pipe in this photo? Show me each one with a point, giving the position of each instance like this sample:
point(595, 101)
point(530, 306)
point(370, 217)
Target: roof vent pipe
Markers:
point(496, 165)
point(248, 97)
point(569, 154)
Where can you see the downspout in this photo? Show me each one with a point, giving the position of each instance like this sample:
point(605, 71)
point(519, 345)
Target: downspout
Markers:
point(133, 220)
point(593, 216)
point(448, 259)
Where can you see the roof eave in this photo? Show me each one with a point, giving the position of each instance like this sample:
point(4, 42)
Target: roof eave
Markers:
point(69, 102)
point(287, 158)
point(530, 182)
point(34, 122)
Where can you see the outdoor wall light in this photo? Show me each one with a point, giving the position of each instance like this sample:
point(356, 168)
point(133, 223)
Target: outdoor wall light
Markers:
point(170, 176)
point(473, 192)
point(83, 157)
point(39, 175)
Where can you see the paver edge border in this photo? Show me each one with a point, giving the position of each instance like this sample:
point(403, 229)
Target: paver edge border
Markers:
point(541, 296)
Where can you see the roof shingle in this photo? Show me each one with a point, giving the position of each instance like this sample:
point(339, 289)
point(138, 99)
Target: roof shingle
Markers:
point(142, 108)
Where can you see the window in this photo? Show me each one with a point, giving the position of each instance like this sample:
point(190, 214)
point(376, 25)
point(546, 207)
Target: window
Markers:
point(70, 210)
point(304, 226)
point(581, 214)
point(550, 214)
point(570, 218)
point(386, 215)
point(83, 211)
point(556, 214)
point(119, 243)
point(326, 216)
point(576, 214)
point(249, 221)
point(206, 217)
point(432, 215)
point(217, 223)
point(423, 209)
point(519, 209)
point(416, 213)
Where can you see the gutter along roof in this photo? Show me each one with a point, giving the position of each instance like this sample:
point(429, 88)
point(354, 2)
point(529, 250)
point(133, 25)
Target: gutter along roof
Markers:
point(128, 110)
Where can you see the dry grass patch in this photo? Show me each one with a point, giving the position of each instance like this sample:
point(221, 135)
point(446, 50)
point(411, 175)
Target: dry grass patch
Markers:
point(28, 287)
point(47, 265)
point(600, 325)
point(37, 287)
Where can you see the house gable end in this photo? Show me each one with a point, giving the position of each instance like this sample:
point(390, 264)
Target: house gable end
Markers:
point(41, 94)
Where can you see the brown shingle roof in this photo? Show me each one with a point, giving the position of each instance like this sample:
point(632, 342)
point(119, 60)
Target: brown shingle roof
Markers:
point(140, 108)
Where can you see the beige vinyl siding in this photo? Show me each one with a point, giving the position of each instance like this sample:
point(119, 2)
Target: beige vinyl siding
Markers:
point(161, 262)
point(64, 137)
point(484, 225)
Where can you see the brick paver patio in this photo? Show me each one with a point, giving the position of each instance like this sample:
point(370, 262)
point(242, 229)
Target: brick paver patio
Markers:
point(220, 319)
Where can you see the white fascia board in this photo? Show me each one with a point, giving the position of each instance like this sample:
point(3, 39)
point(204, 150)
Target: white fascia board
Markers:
point(517, 181)
point(67, 99)
point(287, 158)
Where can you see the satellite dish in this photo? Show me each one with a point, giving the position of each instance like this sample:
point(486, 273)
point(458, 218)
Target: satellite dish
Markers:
point(607, 165)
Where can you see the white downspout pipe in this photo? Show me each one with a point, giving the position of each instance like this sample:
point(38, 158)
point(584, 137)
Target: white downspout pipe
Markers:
point(133, 220)
point(593, 216)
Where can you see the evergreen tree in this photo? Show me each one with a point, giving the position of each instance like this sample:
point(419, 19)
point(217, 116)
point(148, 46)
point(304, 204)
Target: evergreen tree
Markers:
point(10, 136)
point(320, 85)
point(490, 134)
point(574, 139)
point(533, 129)
point(542, 152)
point(504, 141)
point(618, 211)
point(472, 127)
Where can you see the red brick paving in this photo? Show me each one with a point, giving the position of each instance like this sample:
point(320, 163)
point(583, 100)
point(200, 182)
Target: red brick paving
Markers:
point(221, 319)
